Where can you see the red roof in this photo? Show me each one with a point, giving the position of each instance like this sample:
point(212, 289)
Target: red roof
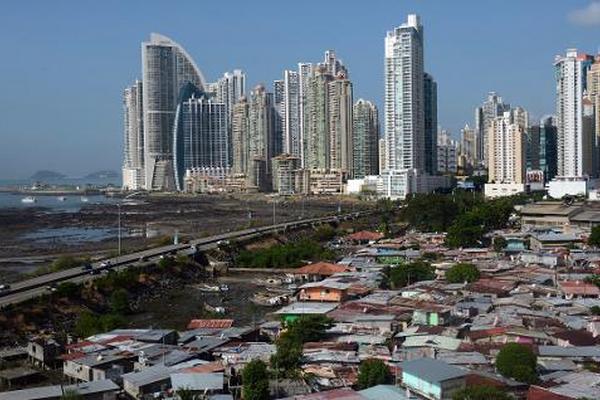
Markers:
point(579, 288)
point(365, 236)
point(483, 333)
point(210, 323)
point(538, 393)
point(337, 394)
point(321, 268)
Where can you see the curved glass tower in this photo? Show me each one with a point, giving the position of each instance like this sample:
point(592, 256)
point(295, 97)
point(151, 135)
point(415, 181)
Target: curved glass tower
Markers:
point(167, 70)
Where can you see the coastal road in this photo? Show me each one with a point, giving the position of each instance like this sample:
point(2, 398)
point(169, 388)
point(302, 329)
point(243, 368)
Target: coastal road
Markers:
point(34, 287)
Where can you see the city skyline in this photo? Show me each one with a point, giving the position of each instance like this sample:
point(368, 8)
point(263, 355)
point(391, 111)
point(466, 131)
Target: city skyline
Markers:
point(88, 135)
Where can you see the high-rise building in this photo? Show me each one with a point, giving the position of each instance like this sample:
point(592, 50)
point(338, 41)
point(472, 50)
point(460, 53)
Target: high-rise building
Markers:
point(365, 139)
point(286, 169)
point(506, 141)
point(292, 138)
point(404, 96)
point(593, 94)
point(230, 88)
point(278, 115)
point(261, 138)
point(305, 71)
point(447, 151)
point(240, 125)
point(340, 106)
point(200, 139)
point(133, 144)
point(541, 148)
point(167, 70)
point(491, 108)
point(467, 151)
point(316, 120)
point(572, 144)
point(333, 65)
point(430, 124)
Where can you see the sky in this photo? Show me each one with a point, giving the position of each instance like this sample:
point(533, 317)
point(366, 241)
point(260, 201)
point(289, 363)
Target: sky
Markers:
point(64, 64)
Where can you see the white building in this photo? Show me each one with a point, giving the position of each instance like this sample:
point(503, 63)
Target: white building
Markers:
point(404, 97)
point(571, 71)
point(447, 154)
point(133, 140)
point(292, 143)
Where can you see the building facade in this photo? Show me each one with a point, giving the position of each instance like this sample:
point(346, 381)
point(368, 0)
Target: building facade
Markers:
point(240, 124)
point(571, 73)
point(340, 105)
point(292, 138)
point(261, 138)
point(484, 115)
point(166, 70)
point(447, 154)
point(430, 124)
point(133, 139)
point(541, 148)
point(365, 139)
point(404, 96)
point(316, 120)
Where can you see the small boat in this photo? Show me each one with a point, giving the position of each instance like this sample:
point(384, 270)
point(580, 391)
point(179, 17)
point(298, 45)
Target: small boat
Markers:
point(61, 198)
point(84, 199)
point(208, 288)
point(28, 200)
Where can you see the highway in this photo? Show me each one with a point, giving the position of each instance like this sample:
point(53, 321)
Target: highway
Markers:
point(34, 287)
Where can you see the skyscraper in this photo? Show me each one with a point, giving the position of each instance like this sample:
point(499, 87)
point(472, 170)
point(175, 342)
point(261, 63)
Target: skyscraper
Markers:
point(541, 148)
point(430, 124)
point(365, 133)
point(133, 139)
point(167, 69)
point(404, 96)
point(278, 115)
point(506, 141)
point(240, 125)
point(305, 71)
point(230, 88)
point(200, 139)
point(467, 150)
point(333, 65)
point(493, 107)
point(570, 73)
point(316, 120)
point(261, 138)
point(292, 143)
point(447, 151)
point(593, 93)
point(340, 106)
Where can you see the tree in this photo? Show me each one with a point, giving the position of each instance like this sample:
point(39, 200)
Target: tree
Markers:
point(405, 274)
point(119, 302)
point(373, 372)
point(68, 289)
point(287, 355)
point(309, 328)
point(255, 380)
point(517, 361)
point(594, 239)
point(462, 272)
point(595, 310)
point(187, 394)
point(481, 392)
point(499, 244)
point(70, 394)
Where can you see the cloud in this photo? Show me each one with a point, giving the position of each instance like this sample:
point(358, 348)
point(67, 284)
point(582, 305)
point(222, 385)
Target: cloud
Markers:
point(587, 16)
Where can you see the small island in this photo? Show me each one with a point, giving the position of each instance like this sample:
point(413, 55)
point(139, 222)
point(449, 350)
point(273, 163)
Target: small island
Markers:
point(46, 175)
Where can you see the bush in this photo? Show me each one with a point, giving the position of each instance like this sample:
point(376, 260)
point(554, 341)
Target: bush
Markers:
point(594, 239)
point(462, 272)
point(517, 361)
point(255, 380)
point(119, 302)
point(480, 392)
point(373, 372)
point(89, 324)
point(70, 290)
point(288, 255)
point(405, 274)
point(499, 244)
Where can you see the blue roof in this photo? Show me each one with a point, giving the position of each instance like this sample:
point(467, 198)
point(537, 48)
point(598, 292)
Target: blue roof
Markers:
point(431, 370)
point(387, 392)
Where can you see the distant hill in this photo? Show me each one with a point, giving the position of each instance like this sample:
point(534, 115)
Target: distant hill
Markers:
point(102, 175)
point(46, 175)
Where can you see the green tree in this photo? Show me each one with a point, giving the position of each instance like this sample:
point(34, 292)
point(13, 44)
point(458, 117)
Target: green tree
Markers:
point(595, 310)
point(517, 361)
point(499, 244)
point(481, 392)
point(187, 394)
point(68, 289)
point(408, 273)
point(462, 272)
point(594, 239)
point(255, 380)
point(86, 325)
point(309, 328)
point(70, 394)
point(287, 355)
point(373, 372)
point(119, 302)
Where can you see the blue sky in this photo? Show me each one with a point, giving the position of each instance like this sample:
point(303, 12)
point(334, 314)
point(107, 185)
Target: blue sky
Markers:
point(64, 63)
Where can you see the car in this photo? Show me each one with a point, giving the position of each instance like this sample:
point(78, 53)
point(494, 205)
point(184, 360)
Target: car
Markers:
point(86, 267)
point(4, 288)
point(94, 271)
point(51, 287)
point(103, 265)
point(143, 258)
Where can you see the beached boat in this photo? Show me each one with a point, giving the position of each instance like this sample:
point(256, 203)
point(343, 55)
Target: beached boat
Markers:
point(28, 200)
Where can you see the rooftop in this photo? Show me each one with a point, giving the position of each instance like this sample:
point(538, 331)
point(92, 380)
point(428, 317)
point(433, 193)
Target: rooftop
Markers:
point(431, 370)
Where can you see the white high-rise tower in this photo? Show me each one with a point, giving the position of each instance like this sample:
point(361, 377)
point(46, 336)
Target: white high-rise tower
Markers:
point(404, 96)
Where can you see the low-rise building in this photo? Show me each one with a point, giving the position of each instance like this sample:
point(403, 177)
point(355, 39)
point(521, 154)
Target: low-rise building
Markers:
point(432, 379)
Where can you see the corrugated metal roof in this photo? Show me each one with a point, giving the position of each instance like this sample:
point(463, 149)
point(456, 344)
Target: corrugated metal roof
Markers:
point(387, 392)
point(431, 370)
point(198, 381)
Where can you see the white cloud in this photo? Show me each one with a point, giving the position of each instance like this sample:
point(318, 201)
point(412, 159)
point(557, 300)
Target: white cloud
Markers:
point(587, 16)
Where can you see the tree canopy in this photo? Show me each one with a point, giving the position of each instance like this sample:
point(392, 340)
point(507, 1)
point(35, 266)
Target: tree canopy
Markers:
point(517, 361)
point(407, 273)
point(373, 372)
point(594, 239)
point(462, 272)
point(255, 380)
point(481, 392)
